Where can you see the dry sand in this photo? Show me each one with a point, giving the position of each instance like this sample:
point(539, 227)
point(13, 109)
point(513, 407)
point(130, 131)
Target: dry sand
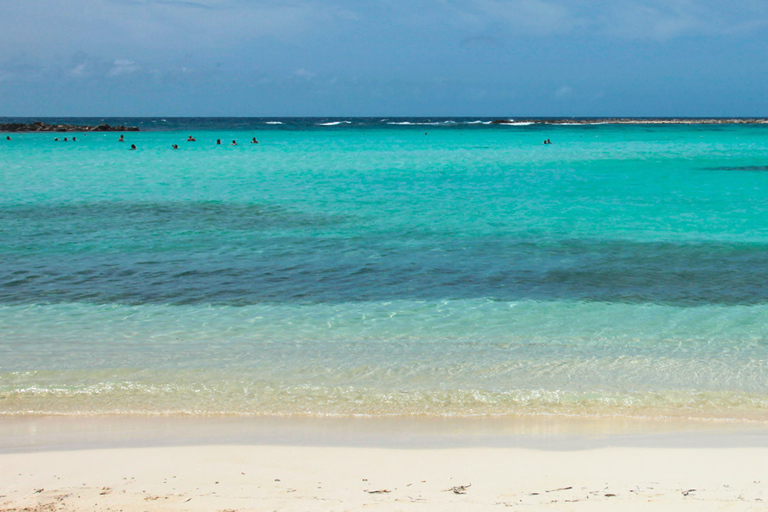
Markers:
point(218, 477)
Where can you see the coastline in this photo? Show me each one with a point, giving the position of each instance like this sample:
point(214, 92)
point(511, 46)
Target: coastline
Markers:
point(614, 275)
point(219, 463)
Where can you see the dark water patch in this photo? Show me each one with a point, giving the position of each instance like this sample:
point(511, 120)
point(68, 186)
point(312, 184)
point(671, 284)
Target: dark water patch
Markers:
point(80, 219)
point(746, 168)
point(315, 269)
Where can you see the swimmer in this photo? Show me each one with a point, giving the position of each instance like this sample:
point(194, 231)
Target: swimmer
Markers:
point(74, 139)
point(234, 143)
point(65, 139)
point(121, 139)
point(133, 146)
point(191, 139)
point(175, 146)
point(56, 139)
point(254, 141)
point(8, 138)
point(218, 141)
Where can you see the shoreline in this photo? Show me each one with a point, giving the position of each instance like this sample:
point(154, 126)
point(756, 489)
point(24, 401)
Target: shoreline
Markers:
point(267, 464)
point(20, 434)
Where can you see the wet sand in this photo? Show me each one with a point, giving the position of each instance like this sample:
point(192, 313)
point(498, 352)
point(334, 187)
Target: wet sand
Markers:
point(386, 464)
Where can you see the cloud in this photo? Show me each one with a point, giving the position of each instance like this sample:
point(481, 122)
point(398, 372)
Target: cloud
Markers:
point(522, 17)
point(668, 19)
point(157, 26)
point(537, 17)
point(644, 20)
point(303, 73)
point(175, 3)
point(564, 92)
point(624, 19)
point(122, 67)
point(481, 42)
point(80, 71)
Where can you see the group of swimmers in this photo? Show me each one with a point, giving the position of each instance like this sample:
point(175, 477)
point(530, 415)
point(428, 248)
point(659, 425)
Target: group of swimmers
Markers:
point(189, 139)
point(133, 146)
point(218, 142)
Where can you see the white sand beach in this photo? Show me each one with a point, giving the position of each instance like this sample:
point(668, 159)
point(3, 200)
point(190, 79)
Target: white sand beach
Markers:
point(697, 470)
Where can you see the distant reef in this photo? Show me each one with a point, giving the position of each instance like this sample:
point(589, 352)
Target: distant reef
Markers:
point(633, 120)
point(39, 126)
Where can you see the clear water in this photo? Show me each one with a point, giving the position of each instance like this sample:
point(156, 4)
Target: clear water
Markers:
point(372, 268)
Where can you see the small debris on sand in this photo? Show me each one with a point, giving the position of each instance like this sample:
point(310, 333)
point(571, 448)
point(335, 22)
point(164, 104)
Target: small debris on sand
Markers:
point(560, 489)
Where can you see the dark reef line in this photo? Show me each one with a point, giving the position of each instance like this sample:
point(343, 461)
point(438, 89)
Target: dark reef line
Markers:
point(634, 120)
point(39, 126)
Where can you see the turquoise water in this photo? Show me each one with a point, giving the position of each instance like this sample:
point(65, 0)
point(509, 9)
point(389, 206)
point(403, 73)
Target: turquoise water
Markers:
point(372, 268)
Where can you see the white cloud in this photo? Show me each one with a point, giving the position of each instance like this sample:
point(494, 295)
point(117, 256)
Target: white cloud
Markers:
point(648, 21)
point(79, 71)
point(531, 16)
point(524, 17)
point(6, 76)
point(303, 73)
point(122, 67)
point(667, 19)
point(625, 19)
point(564, 92)
point(163, 27)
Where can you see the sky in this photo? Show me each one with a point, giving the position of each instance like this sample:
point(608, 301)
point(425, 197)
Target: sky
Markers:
point(497, 58)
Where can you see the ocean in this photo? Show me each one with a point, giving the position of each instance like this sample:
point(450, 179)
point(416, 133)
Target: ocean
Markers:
point(380, 267)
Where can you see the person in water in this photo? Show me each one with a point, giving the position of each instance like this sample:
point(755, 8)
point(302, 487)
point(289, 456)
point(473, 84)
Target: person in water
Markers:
point(133, 146)
point(121, 139)
point(254, 141)
point(175, 146)
point(191, 139)
point(56, 139)
point(218, 141)
point(74, 139)
point(234, 143)
point(8, 138)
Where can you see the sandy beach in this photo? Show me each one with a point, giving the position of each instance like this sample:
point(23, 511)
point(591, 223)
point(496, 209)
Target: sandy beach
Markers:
point(352, 466)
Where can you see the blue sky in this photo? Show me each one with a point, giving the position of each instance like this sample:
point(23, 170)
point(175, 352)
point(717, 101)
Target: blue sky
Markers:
point(384, 58)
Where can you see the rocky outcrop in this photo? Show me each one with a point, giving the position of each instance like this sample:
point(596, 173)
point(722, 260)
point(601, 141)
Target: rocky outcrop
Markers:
point(631, 120)
point(39, 126)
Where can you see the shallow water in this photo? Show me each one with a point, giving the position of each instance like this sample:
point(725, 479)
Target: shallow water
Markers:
point(369, 268)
